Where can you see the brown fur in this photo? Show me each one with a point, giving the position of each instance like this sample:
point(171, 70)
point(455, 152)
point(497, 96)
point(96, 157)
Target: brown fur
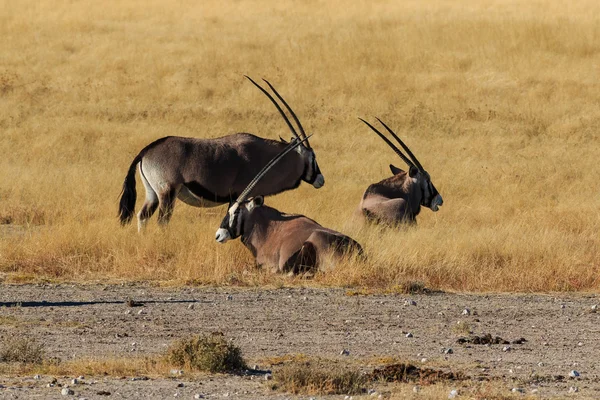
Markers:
point(291, 243)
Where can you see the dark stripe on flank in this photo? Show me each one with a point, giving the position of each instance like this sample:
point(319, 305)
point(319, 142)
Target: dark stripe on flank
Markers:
point(200, 191)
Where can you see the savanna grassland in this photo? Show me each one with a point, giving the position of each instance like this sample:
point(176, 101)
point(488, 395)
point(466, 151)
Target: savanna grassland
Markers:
point(498, 99)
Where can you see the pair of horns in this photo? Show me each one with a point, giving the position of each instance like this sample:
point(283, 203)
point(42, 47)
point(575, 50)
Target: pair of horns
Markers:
point(291, 146)
point(302, 137)
point(412, 162)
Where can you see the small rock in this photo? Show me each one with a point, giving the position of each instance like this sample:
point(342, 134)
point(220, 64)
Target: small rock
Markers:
point(580, 344)
point(37, 377)
point(176, 372)
point(540, 364)
point(453, 394)
point(573, 389)
point(374, 394)
point(423, 360)
point(180, 385)
point(127, 312)
point(448, 351)
point(574, 374)
point(191, 307)
point(518, 390)
point(344, 352)
point(75, 381)
point(466, 311)
point(409, 335)
point(545, 344)
point(51, 385)
point(534, 391)
point(506, 348)
point(562, 306)
point(141, 312)
point(255, 367)
point(81, 377)
point(103, 393)
point(229, 297)
point(268, 377)
point(198, 396)
point(417, 389)
point(595, 307)
point(67, 392)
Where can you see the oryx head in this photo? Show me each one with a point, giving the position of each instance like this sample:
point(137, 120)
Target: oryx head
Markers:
point(233, 224)
point(312, 173)
point(430, 197)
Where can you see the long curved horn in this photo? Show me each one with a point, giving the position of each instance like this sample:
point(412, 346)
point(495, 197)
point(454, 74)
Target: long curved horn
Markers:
point(405, 147)
point(381, 135)
point(287, 121)
point(302, 133)
point(295, 143)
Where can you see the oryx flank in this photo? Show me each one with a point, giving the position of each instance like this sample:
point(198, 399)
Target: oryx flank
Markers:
point(211, 172)
point(398, 199)
point(281, 242)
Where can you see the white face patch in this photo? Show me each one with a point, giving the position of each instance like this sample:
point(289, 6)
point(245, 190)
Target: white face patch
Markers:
point(222, 235)
point(232, 211)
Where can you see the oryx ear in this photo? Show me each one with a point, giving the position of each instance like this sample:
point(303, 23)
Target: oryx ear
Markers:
point(257, 201)
point(283, 140)
point(395, 170)
point(413, 171)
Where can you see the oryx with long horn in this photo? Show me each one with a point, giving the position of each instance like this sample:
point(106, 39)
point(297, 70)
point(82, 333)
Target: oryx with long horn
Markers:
point(398, 199)
point(211, 172)
point(283, 242)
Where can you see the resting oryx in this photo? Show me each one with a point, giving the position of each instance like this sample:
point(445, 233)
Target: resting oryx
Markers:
point(398, 199)
point(211, 172)
point(282, 242)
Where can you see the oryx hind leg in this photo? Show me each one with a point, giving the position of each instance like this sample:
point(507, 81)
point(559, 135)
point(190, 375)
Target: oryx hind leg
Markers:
point(150, 204)
point(302, 261)
point(166, 205)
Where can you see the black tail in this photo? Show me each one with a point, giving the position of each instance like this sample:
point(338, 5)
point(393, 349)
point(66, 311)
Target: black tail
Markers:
point(128, 194)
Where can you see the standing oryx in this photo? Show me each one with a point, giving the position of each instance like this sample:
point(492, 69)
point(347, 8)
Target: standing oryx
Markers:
point(398, 199)
point(211, 172)
point(282, 242)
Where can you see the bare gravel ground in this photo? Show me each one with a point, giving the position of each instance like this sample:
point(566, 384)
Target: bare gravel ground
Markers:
point(93, 321)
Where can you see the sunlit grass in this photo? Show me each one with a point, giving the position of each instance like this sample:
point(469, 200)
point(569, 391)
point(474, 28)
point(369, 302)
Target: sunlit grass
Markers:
point(498, 100)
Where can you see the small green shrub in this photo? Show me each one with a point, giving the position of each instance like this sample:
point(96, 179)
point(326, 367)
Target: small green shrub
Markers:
point(211, 353)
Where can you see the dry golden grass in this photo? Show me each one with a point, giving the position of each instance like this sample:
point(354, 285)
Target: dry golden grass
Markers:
point(498, 99)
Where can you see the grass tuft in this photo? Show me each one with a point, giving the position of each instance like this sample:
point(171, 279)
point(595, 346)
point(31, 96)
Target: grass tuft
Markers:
point(309, 378)
point(212, 353)
point(22, 350)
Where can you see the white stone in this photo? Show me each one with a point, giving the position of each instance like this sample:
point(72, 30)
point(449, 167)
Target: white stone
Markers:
point(573, 389)
point(67, 392)
point(198, 396)
point(344, 352)
point(506, 348)
point(409, 335)
point(423, 360)
point(466, 311)
point(37, 377)
point(268, 377)
point(74, 381)
point(574, 374)
point(453, 394)
point(417, 389)
point(595, 307)
point(518, 390)
point(191, 307)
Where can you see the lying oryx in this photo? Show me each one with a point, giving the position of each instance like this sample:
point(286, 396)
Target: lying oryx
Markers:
point(399, 199)
point(211, 172)
point(282, 242)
